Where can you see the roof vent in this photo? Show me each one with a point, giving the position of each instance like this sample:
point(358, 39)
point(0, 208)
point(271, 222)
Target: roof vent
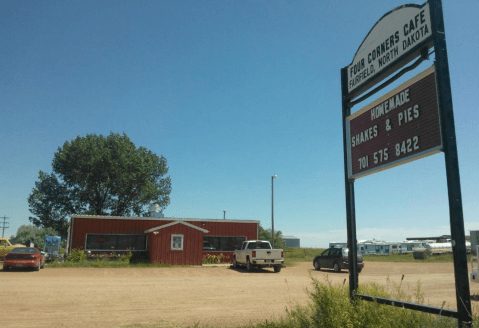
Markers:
point(155, 211)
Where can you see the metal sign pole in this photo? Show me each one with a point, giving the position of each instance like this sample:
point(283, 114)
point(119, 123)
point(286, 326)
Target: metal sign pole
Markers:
point(349, 185)
point(452, 165)
point(359, 72)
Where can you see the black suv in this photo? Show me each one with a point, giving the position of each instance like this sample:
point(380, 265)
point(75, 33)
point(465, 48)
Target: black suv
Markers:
point(335, 258)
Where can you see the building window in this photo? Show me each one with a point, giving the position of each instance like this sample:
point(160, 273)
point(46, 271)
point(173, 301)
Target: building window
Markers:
point(222, 243)
point(107, 242)
point(176, 242)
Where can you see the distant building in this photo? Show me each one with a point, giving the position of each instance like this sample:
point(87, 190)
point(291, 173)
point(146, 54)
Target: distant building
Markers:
point(291, 241)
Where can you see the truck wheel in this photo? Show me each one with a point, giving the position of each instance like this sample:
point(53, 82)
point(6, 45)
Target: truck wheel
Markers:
point(249, 266)
point(336, 267)
point(359, 270)
point(316, 266)
point(277, 268)
point(235, 264)
point(6, 268)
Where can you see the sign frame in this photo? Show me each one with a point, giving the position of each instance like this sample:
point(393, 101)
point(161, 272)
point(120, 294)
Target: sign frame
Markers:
point(395, 64)
point(389, 117)
point(449, 147)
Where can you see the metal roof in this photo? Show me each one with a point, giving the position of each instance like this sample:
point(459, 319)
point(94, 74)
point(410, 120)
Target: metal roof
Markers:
point(100, 217)
point(289, 237)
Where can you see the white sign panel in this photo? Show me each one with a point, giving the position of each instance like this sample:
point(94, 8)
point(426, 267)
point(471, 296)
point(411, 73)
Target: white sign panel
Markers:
point(394, 35)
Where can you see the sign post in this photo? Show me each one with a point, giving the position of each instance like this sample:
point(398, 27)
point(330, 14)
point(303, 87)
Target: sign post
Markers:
point(413, 121)
point(458, 239)
point(349, 185)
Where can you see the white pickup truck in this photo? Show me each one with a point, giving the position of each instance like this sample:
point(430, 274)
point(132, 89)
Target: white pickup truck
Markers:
point(258, 254)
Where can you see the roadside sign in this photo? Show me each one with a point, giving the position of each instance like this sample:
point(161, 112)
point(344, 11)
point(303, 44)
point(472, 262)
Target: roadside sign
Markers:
point(394, 40)
point(413, 121)
point(400, 127)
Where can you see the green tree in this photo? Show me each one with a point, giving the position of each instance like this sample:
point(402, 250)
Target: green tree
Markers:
point(99, 175)
point(265, 234)
point(51, 202)
point(32, 233)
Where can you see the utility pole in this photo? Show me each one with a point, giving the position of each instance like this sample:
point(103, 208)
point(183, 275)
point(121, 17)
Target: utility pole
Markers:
point(4, 225)
point(272, 209)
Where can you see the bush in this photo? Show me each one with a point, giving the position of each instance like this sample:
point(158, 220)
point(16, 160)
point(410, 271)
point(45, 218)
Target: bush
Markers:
point(77, 255)
point(421, 254)
point(126, 257)
point(212, 259)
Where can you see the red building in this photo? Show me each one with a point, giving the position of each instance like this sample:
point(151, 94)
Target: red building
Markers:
point(163, 240)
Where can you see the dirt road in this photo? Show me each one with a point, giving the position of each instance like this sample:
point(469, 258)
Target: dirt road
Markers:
point(209, 295)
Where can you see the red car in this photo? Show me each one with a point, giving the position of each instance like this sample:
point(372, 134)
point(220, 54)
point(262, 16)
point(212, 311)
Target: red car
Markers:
point(24, 257)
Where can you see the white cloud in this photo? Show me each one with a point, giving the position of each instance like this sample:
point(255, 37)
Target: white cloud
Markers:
point(322, 239)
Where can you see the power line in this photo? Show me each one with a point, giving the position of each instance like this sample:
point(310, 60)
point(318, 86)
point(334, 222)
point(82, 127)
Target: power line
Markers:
point(4, 225)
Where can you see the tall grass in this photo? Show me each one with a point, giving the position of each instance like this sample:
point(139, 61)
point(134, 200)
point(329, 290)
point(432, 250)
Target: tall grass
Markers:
point(331, 307)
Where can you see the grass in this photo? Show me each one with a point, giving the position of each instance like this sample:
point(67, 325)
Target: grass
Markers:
point(294, 255)
point(330, 306)
point(291, 256)
point(442, 258)
point(158, 324)
point(104, 264)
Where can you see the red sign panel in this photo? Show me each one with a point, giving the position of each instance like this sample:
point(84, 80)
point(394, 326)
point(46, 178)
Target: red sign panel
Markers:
point(400, 127)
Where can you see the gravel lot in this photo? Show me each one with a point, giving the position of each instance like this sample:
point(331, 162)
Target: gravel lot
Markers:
point(219, 296)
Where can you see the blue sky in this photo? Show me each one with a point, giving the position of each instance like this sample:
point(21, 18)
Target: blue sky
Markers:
point(231, 93)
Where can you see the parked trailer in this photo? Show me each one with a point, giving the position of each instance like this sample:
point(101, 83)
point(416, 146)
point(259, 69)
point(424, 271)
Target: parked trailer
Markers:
point(52, 246)
point(373, 247)
point(410, 245)
point(397, 248)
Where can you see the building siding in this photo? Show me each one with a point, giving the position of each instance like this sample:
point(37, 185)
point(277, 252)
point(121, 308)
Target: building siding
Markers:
point(160, 246)
point(292, 242)
point(218, 228)
point(82, 226)
point(161, 253)
point(228, 229)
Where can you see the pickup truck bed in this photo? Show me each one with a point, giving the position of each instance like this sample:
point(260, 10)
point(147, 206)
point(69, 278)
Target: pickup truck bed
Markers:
point(258, 254)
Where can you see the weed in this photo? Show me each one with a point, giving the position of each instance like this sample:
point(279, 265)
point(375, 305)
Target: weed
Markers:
point(212, 259)
point(331, 306)
point(76, 256)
